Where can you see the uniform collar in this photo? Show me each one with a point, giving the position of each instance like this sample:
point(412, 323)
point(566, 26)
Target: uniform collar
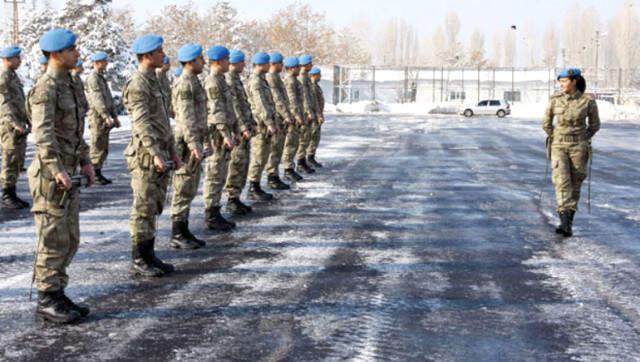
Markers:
point(576, 95)
point(149, 73)
point(58, 74)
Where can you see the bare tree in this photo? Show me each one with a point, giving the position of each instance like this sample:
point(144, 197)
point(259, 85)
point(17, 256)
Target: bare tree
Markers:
point(625, 33)
point(496, 49)
point(455, 51)
point(509, 48)
point(476, 52)
point(551, 47)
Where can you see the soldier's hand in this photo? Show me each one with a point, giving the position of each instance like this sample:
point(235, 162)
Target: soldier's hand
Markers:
point(176, 161)
point(311, 117)
point(196, 154)
point(228, 143)
point(300, 120)
point(272, 130)
point(291, 121)
point(172, 114)
point(19, 129)
point(63, 179)
point(158, 162)
point(87, 170)
point(116, 122)
point(246, 135)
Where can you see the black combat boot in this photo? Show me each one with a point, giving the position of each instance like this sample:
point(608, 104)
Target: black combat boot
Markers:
point(565, 224)
point(304, 167)
point(275, 183)
point(100, 177)
point(193, 237)
point(80, 308)
point(291, 175)
point(143, 265)
point(179, 237)
point(10, 199)
point(215, 221)
point(256, 192)
point(312, 161)
point(155, 261)
point(237, 207)
point(53, 308)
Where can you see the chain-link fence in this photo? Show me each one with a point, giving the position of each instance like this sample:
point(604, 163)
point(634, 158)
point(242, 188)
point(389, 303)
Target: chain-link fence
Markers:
point(356, 83)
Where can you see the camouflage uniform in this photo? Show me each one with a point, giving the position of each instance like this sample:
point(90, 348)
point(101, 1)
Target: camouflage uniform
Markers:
point(294, 95)
point(58, 128)
point(191, 133)
point(570, 144)
point(165, 86)
point(12, 114)
point(222, 123)
point(309, 106)
point(101, 109)
point(282, 115)
point(316, 127)
point(239, 165)
point(264, 111)
point(151, 136)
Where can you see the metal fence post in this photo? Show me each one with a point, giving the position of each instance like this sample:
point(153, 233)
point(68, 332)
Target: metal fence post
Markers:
point(336, 84)
point(373, 84)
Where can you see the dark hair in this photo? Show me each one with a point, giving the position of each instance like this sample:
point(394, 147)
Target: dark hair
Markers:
point(581, 83)
point(46, 54)
point(139, 56)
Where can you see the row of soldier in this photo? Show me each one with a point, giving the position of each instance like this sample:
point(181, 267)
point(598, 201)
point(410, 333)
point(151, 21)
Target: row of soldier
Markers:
point(240, 130)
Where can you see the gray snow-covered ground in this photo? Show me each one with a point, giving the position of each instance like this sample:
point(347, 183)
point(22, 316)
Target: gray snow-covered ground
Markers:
point(423, 238)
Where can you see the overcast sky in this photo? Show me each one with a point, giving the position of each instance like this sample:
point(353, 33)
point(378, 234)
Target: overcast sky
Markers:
point(487, 15)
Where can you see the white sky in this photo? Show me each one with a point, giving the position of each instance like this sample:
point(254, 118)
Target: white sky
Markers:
point(486, 15)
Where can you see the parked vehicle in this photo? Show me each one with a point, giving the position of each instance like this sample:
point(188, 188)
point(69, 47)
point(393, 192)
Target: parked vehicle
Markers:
point(489, 107)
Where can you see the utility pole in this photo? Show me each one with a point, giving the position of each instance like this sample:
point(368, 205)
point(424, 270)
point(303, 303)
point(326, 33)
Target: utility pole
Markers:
point(15, 35)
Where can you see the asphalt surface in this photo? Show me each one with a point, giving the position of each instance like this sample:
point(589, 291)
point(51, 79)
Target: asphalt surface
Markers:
point(422, 238)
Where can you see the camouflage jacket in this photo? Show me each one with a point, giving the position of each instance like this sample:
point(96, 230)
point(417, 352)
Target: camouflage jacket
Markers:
point(12, 102)
point(570, 113)
point(319, 98)
point(190, 103)
point(101, 104)
point(308, 102)
point(147, 107)
point(294, 94)
point(240, 102)
point(261, 101)
point(221, 114)
point(82, 96)
point(165, 85)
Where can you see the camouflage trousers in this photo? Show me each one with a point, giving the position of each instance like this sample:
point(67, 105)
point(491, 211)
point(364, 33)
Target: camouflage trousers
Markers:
point(185, 188)
point(57, 230)
point(303, 143)
point(149, 194)
point(99, 141)
point(216, 175)
point(260, 149)
point(277, 149)
point(290, 147)
point(238, 169)
point(14, 148)
point(314, 138)
point(569, 163)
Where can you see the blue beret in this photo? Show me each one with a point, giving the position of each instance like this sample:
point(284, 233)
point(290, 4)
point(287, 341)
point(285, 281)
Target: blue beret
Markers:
point(569, 72)
point(10, 52)
point(306, 60)
point(260, 58)
point(98, 56)
point(314, 71)
point(79, 63)
point(179, 71)
point(276, 58)
point(166, 60)
point(43, 60)
point(237, 56)
point(217, 52)
point(56, 40)
point(189, 52)
point(147, 43)
point(291, 62)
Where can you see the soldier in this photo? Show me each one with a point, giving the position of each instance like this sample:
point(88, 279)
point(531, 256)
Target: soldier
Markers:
point(294, 95)
point(318, 97)
point(570, 141)
point(284, 120)
point(76, 77)
point(165, 84)
point(151, 146)
point(239, 165)
point(264, 111)
point(192, 140)
point(103, 115)
point(222, 125)
point(60, 149)
point(14, 127)
point(306, 63)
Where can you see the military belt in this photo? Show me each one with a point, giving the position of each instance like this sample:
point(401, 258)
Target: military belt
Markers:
point(570, 138)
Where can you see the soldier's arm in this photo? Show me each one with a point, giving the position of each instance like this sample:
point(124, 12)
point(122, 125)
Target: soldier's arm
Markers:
point(547, 121)
point(234, 99)
point(282, 106)
point(291, 94)
point(217, 110)
point(594, 119)
point(260, 102)
point(307, 100)
point(96, 97)
point(185, 107)
point(8, 112)
point(138, 102)
point(43, 105)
